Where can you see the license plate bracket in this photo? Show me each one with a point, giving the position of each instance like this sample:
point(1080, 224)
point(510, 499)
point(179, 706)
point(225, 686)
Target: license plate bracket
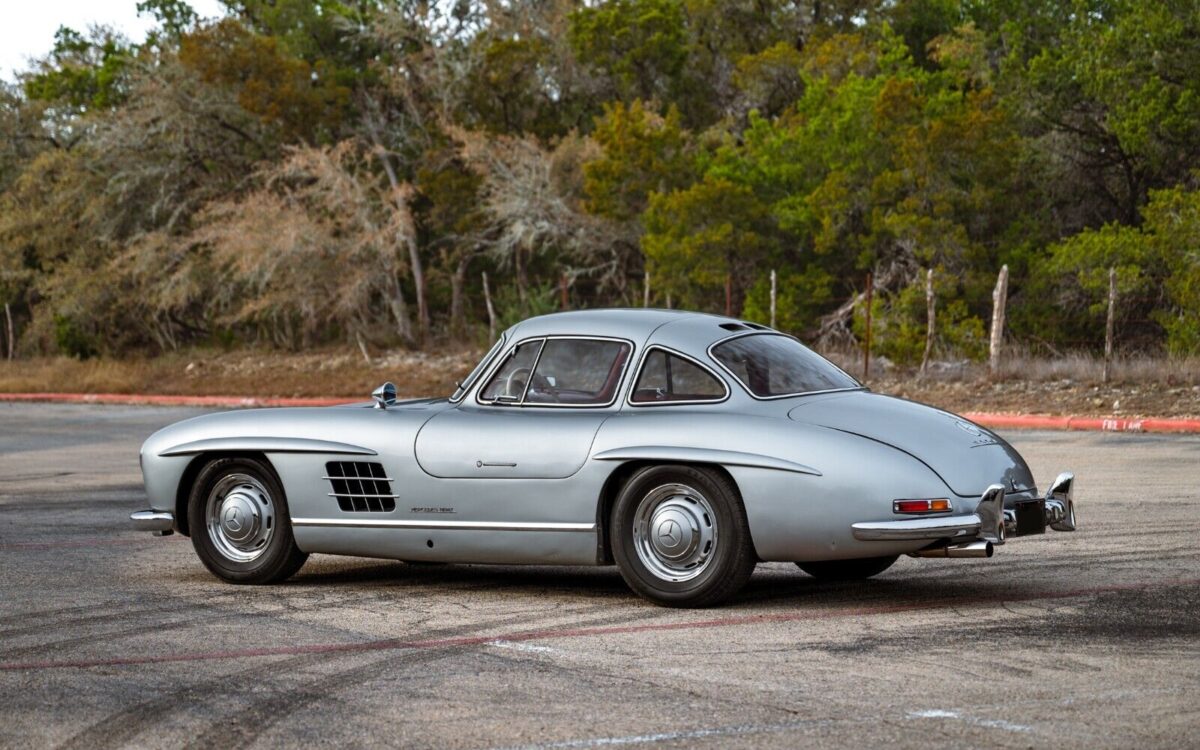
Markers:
point(1031, 517)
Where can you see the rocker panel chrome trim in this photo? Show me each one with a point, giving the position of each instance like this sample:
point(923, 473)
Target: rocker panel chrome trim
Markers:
point(373, 523)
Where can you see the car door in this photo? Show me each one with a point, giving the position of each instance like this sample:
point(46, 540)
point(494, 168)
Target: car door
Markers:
point(535, 417)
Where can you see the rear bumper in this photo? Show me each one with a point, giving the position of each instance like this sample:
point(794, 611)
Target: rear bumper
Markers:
point(159, 521)
point(991, 521)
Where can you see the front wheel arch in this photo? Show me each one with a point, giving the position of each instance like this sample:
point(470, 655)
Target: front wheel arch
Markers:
point(192, 472)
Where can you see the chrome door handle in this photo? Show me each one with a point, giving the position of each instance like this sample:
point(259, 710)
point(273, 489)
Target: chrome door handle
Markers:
point(504, 464)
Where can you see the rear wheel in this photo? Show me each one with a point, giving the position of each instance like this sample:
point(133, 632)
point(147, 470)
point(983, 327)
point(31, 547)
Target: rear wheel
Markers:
point(847, 570)
point(240, 525)
point(680, 536)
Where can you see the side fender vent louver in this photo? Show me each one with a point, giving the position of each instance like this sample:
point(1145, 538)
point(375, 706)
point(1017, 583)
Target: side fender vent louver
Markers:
point(359, 486)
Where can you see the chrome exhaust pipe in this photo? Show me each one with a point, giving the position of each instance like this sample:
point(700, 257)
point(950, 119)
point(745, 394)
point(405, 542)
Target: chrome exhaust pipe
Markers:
point(972, 549)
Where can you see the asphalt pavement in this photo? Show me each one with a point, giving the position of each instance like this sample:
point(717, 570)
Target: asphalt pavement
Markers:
point(111, 637)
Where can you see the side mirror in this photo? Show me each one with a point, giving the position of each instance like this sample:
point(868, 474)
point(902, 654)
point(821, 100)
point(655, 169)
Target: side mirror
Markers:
point(384, 395)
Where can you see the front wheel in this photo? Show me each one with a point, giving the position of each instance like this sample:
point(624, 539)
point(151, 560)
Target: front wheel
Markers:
point(240, 525)
point(680, 536)
point(847, 570)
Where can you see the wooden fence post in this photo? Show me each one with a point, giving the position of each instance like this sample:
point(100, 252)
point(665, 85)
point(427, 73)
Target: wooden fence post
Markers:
point(867, 348)
point(930, 315)
point(491, 311)
point(562, 291)
point(999, 298)
point(1108, 326)
point(646, 290)
point(773, 290)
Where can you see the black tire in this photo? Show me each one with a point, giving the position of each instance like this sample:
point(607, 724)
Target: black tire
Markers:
point(274, 557)
point(847, 570)
point(723, 564)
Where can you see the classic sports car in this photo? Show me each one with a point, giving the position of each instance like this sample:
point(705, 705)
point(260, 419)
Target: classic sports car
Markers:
point(680, 446)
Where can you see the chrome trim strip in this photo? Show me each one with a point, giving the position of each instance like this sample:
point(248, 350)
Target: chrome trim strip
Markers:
point(642, 365)
point(351, 494)
point(752, 394)
point(376, 479)
point(266, 445)
point(371, 523)
point(703, 455)
point(153, 520)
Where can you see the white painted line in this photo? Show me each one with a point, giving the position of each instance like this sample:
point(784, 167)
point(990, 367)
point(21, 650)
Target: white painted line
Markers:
point(689, 734)
point(527, 647)
point(940, 713)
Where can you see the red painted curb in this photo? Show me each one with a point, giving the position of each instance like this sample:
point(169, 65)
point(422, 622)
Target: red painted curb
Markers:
point(987, 419)
point(1103, 424)
point(158, 400)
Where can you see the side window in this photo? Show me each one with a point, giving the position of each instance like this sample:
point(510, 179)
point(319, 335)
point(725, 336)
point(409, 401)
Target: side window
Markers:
point(666, 377)
point(508, 384)
point(578, 372)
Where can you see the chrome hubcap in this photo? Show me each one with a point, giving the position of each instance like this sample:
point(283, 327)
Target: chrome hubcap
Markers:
point(675, 532)
point(241, 517)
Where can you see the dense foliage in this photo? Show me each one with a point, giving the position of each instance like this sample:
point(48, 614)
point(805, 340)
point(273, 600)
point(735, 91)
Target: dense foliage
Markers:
point(307, 171)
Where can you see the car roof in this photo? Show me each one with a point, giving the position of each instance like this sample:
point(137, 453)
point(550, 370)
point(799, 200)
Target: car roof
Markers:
point(690, 332)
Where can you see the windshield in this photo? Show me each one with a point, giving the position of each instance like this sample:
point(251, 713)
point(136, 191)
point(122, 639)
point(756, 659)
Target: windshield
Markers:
point(771, 365)
point(462, 388)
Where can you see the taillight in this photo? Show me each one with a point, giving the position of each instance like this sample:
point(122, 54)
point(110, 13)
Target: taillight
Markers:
point(938, 505)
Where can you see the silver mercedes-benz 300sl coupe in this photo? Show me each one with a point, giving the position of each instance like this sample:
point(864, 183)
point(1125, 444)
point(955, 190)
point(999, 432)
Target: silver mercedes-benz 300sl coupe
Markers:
point(680, 446)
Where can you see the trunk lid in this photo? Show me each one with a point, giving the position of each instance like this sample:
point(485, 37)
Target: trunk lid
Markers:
point(966, 456)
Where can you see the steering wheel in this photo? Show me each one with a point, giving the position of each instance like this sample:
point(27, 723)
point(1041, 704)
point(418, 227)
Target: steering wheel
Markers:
point(514, 384)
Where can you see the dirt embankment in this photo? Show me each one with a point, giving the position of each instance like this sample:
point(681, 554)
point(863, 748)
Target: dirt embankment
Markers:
point(1140, 391)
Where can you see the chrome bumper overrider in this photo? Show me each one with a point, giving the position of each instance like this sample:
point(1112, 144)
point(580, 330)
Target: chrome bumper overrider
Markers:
point(153, 520)
point(991, 521)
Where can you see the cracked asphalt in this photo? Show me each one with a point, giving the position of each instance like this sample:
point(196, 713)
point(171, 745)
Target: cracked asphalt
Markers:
point(110, 637)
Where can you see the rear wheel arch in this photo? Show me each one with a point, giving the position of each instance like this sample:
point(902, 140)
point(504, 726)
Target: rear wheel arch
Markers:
point(616, 482)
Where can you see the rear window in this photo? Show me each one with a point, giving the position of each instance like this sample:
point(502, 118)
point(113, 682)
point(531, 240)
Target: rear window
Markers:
point(774, 365)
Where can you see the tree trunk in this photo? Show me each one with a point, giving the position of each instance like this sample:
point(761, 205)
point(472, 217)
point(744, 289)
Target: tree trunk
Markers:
point(867, 339)
point(522, 278)
point(491, 311)
point(930, 315)
point(1108, 326)
point(563, 292)
point(414, 255)
point(400, 311)
point(646, 290)
point(729, 294)
point(999, 299)
point(458, 283)
point(12, 341)
point(362, 346)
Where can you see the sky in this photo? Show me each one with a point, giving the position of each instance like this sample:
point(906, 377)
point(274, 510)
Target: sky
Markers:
point(28, 27)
